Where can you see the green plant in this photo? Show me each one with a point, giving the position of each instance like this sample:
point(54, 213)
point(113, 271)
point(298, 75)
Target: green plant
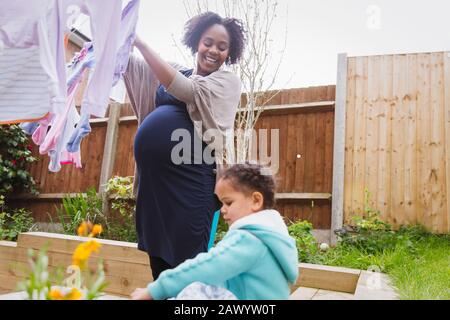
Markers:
point(38, 284)
point(15, 155)
point(120, 187)
point(222, 229)
point(82, 284)
point(307, 245)
point(416, 260)
point(370, 220)
point(13, 222)
point(367, 232)
point(118, 225)
point(120, 191)
point(78, 208)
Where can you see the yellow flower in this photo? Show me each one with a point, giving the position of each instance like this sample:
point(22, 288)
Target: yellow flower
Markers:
point(55, 294)
point(80, 255)
point(83, 251)
point(84, 228)
point(81, 231)
point(75, 294)
point(96, 230)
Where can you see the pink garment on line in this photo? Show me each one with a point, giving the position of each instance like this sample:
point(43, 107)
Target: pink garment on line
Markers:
point(71, 158)
point(59, 122)
point(41, 131)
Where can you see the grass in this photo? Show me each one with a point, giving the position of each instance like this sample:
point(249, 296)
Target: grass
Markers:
point(426, 275)
point(417, 262)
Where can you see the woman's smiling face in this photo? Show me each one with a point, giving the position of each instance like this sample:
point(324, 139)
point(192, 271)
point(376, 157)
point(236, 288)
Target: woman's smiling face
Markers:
point(213, 49)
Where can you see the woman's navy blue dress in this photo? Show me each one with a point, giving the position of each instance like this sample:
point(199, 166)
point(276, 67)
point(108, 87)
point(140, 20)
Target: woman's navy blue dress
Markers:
point(175, 202)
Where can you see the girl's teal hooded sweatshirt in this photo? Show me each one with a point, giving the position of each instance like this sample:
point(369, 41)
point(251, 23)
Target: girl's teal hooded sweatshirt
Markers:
point(257, 259)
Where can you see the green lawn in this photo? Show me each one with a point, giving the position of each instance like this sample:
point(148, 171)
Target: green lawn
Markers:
point(417, 261)
point(419, 267)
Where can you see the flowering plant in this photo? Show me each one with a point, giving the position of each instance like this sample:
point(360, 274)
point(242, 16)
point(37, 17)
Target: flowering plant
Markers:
point(79, 285)
point(15, 155)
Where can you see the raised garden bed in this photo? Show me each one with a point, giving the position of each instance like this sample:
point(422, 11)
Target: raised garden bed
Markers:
point(127, 268)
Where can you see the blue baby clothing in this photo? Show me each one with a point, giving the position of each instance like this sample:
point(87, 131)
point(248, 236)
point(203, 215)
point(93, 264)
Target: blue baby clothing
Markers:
point(82, 130)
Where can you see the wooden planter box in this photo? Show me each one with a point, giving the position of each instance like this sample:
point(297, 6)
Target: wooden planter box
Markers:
point(127, 268)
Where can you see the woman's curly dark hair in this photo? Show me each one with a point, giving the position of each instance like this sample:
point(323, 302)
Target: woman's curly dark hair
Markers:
point(196, 26)
point(248, 178)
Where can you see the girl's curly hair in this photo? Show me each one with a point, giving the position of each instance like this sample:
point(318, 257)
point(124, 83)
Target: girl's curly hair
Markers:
point(248, 178)
point(196, 26)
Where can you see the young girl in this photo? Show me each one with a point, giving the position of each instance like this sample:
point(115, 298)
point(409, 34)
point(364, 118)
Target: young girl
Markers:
point(257, 259)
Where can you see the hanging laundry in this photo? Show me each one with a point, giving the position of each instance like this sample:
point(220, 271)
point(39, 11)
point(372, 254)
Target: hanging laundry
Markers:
point(113, 36)
point(127, 35)
point(105, 25)
point(28, 76)
point(128, 23)
point(63, 130)
point(41, 131)
point(29, 127)
point(59, 124)
point(39, 26)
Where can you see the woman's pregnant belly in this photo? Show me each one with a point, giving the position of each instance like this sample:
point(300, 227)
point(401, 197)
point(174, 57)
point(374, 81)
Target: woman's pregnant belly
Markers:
point(153, 141)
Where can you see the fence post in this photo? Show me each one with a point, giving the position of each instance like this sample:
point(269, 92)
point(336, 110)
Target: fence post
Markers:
point(337, 200)
point(109, 152)
point(447, 132)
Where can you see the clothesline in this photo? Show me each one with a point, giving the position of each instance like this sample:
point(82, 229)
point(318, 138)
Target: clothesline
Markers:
point(35, 82)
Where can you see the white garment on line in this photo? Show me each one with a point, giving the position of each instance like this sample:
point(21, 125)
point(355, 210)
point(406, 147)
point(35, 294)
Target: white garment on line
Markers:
point(41, 24)
point(24, 85)
point(26, 38)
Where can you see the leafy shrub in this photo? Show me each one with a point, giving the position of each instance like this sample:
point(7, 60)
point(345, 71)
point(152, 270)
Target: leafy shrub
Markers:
point(13, 222)
point(370, 221)
point(118, 225)
point(15, 155)
point(371, 242)
point(307, 245)
point(368, 232)
point(79, 208)
point(123, 228)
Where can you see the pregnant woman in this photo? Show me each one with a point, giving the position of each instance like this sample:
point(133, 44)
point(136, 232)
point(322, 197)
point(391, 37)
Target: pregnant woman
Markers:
point(175, 200)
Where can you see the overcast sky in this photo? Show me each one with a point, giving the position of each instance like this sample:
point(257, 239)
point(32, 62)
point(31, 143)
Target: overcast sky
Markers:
point(320, 29)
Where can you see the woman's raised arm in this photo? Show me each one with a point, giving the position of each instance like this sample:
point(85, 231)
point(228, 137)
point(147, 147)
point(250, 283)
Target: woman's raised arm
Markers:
point(163, 71)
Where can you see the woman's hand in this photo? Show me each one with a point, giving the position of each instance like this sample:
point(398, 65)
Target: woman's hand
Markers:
point(137, 42)
point(163, 71)
point(141, 294)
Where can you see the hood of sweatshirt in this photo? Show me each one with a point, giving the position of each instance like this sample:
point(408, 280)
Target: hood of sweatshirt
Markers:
point(269, 227)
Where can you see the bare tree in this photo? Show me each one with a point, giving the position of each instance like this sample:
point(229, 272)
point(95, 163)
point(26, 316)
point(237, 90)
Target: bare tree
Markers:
point(258, 68)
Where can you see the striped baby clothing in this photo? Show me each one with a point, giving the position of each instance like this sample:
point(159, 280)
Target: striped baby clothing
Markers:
point(29, 82)
point(24, 93)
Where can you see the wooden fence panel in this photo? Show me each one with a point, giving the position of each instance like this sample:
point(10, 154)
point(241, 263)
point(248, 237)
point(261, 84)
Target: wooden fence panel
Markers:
point(308, 135)
point(396, 143)
point(124, 165)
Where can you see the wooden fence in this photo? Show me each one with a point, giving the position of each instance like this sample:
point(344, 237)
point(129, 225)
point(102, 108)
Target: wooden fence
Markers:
point(385, 127)
point(397, 138)
point(305, 118)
